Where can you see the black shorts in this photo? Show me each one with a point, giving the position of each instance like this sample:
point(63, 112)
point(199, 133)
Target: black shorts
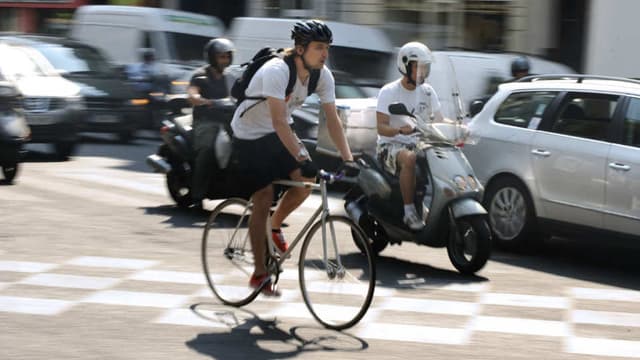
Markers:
point(261, 161)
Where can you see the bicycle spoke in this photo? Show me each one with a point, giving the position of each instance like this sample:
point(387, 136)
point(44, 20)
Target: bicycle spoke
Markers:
point(336, 287)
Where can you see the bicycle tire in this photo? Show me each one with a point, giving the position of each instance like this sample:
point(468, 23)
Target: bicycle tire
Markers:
point(337, 302)
point(227, 257)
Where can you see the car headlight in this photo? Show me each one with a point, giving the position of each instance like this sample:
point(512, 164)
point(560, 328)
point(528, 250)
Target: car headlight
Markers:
point(138, 102)
point(14, 126)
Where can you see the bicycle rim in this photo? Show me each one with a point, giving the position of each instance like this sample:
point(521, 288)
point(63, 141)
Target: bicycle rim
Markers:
point(337, 296)
point(226, 253)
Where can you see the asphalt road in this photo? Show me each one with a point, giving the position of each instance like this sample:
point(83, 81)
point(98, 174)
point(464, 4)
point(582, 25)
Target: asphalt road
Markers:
point(97, 263)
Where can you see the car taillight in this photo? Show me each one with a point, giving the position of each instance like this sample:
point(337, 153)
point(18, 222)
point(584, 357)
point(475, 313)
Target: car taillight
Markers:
point(164, 129)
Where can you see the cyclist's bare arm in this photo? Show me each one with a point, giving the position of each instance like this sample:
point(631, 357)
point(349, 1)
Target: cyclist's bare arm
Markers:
point(278, 110)
point(334, 125)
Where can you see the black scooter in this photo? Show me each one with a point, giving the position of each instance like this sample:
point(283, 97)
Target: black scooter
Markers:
point(175, 157)
point(14, 131)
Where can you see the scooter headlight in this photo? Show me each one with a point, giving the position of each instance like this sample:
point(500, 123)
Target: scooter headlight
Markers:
point(461, 183)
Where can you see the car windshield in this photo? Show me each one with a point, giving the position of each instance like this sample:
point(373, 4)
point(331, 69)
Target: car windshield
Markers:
point(75, 60)
point(186, 47)
point(16, 63)
point(366, 66)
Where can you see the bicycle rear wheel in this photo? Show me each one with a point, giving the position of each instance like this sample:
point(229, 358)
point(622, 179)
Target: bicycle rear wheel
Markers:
point(227, 257)
point(338, 290)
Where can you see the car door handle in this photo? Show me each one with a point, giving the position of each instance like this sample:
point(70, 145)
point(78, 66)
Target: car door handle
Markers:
point(541, 152)
point(618, 166)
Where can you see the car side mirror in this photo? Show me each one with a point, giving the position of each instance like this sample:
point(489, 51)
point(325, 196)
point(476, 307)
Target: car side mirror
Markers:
point(399, 109)
point(476, 107)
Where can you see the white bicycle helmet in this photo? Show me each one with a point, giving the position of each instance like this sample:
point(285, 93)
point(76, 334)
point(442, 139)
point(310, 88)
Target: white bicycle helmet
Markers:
point(420, 54)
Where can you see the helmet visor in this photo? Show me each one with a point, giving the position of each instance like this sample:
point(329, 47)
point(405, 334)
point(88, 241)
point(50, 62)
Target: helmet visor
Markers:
point(422, 71)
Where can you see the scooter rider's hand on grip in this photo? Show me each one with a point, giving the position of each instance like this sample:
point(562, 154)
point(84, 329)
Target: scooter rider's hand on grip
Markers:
point(349, 168)
point(308, 169)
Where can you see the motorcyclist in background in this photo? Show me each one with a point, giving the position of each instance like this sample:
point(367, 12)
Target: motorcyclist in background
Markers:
point(519, 68)
point(207, 84)
point(147, 75)
point(396, 143)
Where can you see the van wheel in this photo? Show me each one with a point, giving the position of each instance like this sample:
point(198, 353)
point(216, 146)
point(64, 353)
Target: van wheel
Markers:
point(64, 150)
point(125, 136)
point(9, 171)
point(511, 214)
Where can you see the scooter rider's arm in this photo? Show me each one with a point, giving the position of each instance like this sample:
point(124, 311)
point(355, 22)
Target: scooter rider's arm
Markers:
point(334, 125)
point(278, 111)
point(385, 129)
point(195, 99)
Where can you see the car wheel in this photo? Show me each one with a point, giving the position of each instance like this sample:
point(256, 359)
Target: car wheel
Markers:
point(511, 214)
point(125, 136)
point(64, 150)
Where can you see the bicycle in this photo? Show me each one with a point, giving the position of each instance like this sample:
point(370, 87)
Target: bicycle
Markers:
point(330, 271)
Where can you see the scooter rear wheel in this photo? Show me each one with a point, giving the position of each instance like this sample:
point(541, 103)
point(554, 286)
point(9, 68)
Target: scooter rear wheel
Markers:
point(375, 234)
point(179, 186)
point(469, 244)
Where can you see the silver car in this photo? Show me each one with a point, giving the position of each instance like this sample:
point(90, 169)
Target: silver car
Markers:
point(560, 154)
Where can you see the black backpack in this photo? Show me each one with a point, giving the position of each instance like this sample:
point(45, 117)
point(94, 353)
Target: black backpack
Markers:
point(251, 67)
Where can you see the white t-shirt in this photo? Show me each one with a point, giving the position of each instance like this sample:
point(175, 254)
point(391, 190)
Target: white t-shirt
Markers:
point(422, 101)
point(271, 80)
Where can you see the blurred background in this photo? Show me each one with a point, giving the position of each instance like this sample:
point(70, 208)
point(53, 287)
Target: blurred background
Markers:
point(583, 34)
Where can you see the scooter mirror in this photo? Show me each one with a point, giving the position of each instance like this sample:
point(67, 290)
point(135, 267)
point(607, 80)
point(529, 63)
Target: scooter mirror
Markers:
point(399, 109)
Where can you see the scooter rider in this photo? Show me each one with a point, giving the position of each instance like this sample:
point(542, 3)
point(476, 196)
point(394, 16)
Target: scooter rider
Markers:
point(266, 147)
point(207, 84)
point(396, 140)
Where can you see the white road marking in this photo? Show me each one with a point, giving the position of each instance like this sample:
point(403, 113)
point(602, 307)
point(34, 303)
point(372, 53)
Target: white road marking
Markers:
point(605, 318)
point(180, 277)
point(151, 185)
point(429, 306)
point(188, 317)
point(549, 302)
point(34, 306)
point(603, 347)
point(70, 281)
point(111, 262)
point(134, 298)
point(606, 294)
point(412, 333)
point(520, 326)
point(25, 266)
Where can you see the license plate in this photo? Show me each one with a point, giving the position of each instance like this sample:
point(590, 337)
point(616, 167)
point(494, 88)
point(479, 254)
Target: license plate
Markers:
point(105, 118)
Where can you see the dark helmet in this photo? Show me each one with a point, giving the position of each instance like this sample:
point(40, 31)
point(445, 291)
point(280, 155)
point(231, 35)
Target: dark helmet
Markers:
point(217, 46)
point(519, 64)
point(304, 32)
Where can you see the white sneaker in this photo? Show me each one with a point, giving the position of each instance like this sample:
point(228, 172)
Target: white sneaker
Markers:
point(413, 222)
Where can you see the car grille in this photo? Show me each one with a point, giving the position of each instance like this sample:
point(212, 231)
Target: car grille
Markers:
point(42, 104)
point(102, 103)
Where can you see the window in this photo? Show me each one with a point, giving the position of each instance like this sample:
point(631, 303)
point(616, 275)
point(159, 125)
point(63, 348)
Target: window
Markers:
point(632, 124)
point(524, 109)
point(585, 115)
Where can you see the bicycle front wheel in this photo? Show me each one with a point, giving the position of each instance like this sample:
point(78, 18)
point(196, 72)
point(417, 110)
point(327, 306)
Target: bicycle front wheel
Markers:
point(337, 278)
point(227, 257)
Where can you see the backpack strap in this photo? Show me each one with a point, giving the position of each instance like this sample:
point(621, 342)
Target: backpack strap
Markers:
point(313, 81)
point(292, 74)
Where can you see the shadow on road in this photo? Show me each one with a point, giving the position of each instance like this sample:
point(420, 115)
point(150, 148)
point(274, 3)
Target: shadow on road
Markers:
point(604, 261)
point(404, 274)
point(248, 337)
point(178, 217)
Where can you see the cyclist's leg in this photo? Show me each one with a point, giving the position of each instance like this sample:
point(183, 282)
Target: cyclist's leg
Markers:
point(292, 198)
point(257, 225)
point(337, 288)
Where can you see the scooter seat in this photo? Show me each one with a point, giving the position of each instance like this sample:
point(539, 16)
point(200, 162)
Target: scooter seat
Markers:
point(377, 166)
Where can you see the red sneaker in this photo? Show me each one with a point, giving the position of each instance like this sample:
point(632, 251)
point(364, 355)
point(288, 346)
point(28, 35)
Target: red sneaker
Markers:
point(269, 289)
point(278, 239)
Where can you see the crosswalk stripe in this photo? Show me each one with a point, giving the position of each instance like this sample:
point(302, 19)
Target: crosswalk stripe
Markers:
point(521, 326)
point(603, 347)
point(180, 277)
point(606, 294)
point(605, 318)
point(111, 262)
point(550, 302)
point(135, 298)
point(70, 281)
point(413, 333)
point(25, 266)
point(150, 185)
point(429, 306)
point(34, 306)
point(189, 318)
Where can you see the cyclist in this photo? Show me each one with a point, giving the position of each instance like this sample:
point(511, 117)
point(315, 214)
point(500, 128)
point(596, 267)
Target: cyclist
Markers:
point(396, 144)
point(266, 147)
point(207, 84)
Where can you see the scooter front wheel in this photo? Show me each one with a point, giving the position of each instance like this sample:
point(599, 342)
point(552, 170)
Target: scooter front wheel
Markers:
point(469, 244)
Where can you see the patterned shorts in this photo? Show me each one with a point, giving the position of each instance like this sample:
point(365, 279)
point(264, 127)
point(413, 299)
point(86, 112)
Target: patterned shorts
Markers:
point(388, 155)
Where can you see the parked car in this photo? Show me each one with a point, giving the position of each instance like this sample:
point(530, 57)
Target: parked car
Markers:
point(111, 104)
point(560, 155)
point(52, 104)
point(14, 131)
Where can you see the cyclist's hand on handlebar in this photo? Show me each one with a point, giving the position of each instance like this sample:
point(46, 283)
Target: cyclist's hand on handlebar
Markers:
point(308, 169)
point(349, 168)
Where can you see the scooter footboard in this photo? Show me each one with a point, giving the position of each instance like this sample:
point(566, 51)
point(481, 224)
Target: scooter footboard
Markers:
point(466, 207)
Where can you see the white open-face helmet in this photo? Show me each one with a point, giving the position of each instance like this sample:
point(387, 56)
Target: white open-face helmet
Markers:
point(420, 54)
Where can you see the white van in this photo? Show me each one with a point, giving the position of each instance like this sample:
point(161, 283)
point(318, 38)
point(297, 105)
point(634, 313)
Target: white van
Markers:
point(362, 51)
point(178, 37)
